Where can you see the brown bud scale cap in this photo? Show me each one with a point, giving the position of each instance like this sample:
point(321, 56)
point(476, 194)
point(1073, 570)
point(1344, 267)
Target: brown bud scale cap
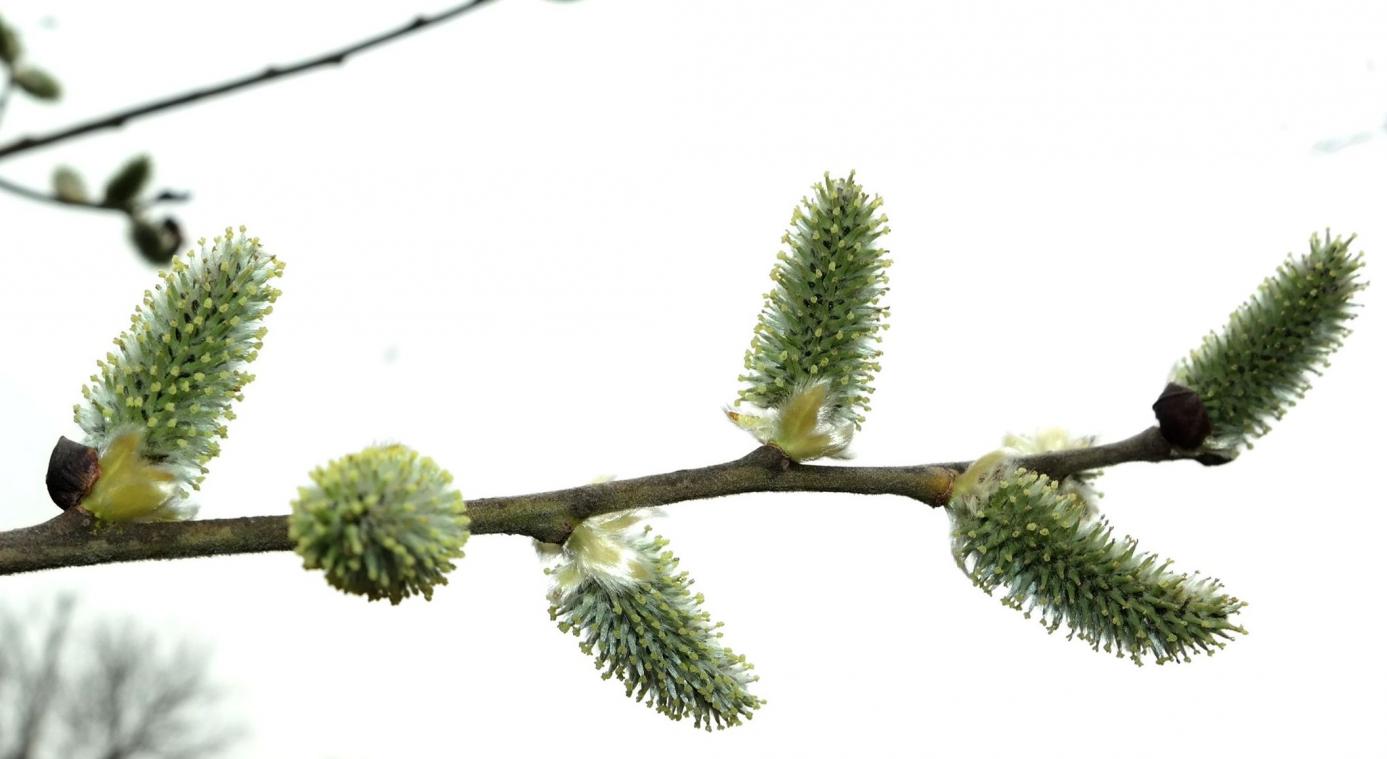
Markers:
point(1184, 420)
point(72, 471)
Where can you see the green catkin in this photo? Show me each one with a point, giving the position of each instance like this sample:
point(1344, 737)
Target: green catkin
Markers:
point(822, 320)
point(1038, 543)
point(158, 402)
point(383, 523)
point(1259, 365)
point(618, 590)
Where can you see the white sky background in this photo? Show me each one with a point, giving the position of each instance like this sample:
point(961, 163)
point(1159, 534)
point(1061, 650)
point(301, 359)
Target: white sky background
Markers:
point(532, 244)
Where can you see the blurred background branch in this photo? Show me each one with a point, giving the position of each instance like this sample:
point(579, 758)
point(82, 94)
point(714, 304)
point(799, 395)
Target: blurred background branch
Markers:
point(157, 240)
point(111, 691)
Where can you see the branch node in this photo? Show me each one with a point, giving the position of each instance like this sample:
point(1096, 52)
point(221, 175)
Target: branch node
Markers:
point(770, 458)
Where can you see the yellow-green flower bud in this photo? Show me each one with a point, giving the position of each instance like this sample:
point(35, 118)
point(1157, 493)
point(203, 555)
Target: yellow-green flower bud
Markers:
point(383, 523)
point(131, 488)
point(801, 427)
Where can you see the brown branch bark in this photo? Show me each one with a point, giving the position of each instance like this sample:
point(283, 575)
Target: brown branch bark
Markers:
point(76, 538)
point(268, 74)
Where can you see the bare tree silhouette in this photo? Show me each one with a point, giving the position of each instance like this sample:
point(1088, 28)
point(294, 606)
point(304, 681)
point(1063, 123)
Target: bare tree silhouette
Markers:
point(113, 691)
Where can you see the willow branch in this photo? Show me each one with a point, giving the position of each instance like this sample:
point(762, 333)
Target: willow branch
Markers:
point(269, 74)
point(76, 538)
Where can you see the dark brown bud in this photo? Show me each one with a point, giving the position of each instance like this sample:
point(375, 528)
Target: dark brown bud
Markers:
point(173, 235)
point(1184, 420)
point(157, 242)
point(72, 470)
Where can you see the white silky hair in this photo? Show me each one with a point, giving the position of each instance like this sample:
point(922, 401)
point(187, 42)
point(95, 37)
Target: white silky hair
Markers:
point(605, 549)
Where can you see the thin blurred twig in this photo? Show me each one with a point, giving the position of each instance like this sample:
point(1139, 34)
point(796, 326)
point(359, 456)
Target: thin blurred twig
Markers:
point(264, 76)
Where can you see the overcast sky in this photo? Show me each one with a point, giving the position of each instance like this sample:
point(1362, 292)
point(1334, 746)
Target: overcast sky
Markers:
point(531, 244)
